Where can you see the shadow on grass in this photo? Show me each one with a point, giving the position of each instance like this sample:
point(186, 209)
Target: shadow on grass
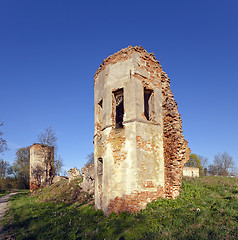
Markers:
point(199, 213)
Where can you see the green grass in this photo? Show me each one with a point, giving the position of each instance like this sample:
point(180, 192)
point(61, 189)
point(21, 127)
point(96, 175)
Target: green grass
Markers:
point(207, 208)
point(3, 193)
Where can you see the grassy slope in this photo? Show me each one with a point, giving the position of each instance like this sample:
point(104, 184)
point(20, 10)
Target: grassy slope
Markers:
point(206, 209)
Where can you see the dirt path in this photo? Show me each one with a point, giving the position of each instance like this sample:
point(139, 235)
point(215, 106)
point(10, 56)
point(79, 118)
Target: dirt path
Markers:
point(3, 208)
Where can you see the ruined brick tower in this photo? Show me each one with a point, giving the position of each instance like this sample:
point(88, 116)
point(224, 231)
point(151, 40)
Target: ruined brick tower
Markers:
point(139, 148)
point(41, 165)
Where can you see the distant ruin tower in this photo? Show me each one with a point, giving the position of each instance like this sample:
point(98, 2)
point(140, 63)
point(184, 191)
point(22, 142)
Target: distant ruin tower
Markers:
point(139, 148)
point(41, 165)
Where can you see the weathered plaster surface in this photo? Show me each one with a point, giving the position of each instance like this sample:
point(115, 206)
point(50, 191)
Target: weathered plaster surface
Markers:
point(41, 165)
point(190, 172)
point(143, 160)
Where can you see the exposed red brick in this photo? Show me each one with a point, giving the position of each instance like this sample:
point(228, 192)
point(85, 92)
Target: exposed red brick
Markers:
point(176, 151)
point(41, 165)
point(135, 201)
point(117, 140)
point(175, 148)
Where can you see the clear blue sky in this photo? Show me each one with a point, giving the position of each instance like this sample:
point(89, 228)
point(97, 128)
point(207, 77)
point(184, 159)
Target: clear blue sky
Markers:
point(50, 50)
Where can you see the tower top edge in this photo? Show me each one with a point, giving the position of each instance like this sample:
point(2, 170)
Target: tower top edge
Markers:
point(123, 55)
point(36, 145)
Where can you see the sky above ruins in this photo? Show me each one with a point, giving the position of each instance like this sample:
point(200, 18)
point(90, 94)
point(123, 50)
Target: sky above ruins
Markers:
point(50, 50)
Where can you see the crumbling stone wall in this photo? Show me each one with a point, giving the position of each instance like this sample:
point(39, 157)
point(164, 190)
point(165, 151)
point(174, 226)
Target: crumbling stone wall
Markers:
point(88, 178)
point(190, 172)
point(176, 151)
point(42, 169)
point(58, 178)
point(73, 174)
point(139, 148)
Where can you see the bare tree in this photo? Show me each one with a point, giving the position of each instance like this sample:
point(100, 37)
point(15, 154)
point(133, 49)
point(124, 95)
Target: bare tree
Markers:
point(3, 142)
point(58, 164)
point(48, 137)
point(222, 164)
point(90, 158)
point(212, 169)
point(204, 161)
point(234, 171)
point(4, 168)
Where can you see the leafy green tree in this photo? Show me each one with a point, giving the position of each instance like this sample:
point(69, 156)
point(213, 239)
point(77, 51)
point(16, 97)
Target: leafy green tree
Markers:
point(21, 167)
point(194, 161)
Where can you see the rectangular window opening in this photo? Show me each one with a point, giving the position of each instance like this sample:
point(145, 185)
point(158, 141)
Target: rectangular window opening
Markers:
point(148, 104)
point(119, 102)
point(100, 166)
point(99, 115)
point(100, 103)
